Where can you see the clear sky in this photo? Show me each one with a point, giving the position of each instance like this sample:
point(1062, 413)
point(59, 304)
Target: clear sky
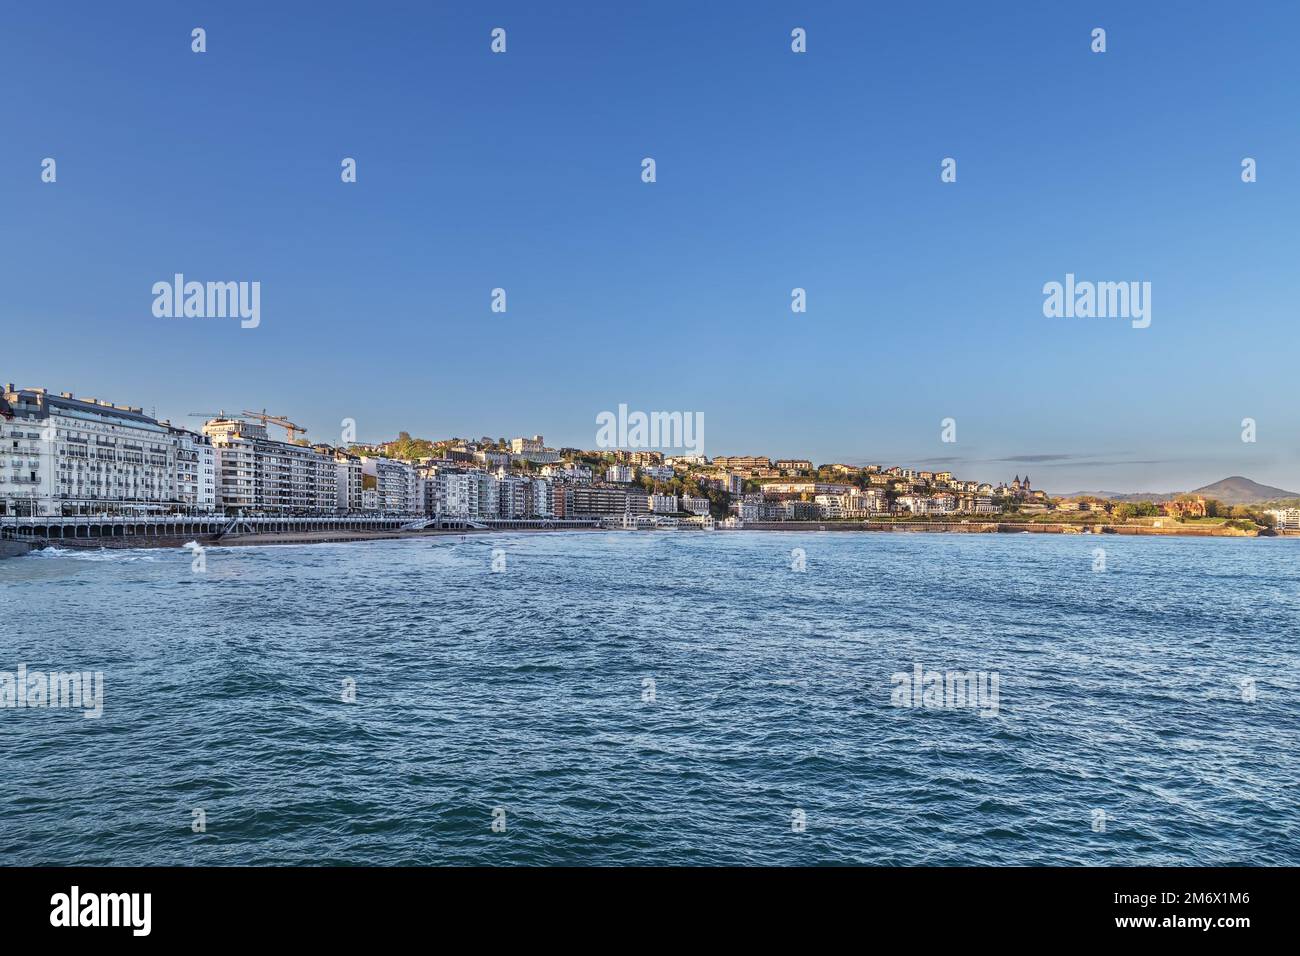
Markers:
point(775, 170)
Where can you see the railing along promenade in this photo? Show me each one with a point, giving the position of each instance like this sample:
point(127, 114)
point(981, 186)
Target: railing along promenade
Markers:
point(150, 529)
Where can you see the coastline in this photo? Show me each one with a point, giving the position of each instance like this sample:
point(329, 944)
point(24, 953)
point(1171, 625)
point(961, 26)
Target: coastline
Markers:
point(353, 537)
point(1003, 527)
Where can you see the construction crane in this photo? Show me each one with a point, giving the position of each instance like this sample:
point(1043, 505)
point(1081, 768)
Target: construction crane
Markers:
point(284, 423)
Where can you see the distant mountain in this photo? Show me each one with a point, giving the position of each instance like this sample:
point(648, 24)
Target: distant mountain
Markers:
point(1121, 495)
point(1231, 491)
point(1242, 491)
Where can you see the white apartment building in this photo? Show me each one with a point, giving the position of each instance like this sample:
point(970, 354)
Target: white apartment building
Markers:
point(543, 505)
point(696, 506)
point(620, 474)
point(852, 504)
point(396, 483)
point(196, 474)
point(1288, 519)
point(489, 494)
point(255, 473)
point(451, 493)
point(61, 455)
point(916, 504)
point(659, 472)
point(663, 504)
point(943, 504)
point(348, 475)
point(832, 506)
point(461, 493)
point(567, 472)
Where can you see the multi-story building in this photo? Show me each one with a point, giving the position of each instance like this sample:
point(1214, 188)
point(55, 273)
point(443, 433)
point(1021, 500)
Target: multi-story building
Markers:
point(543, 500)
point(519, 446)
point(620, 474)
point(832, 506)
point(687, 461)
point(397, 484)
point(742, 462)
point(61, 455)
point(733, 484)
point(255, 473)
point(851, 505)
point(489, 493)
point(800, 511)
point(451, 493)
point(659, 472)
point(695, 505)
point(349, 477)
point(663, 504)
point(916, 504)
point(758, 508)
point(875, 500)
point(349, 473)
point(1196, 507)
point(942, 504)
point(595, 500)
point(567, 472)
point(1286, 519)
point(196, 475)
point(534, 450)
point(795, 464)
point(795, 489)
point(514, 496)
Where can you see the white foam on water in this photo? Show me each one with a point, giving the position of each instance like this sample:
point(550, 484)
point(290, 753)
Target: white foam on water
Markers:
point(101, 555)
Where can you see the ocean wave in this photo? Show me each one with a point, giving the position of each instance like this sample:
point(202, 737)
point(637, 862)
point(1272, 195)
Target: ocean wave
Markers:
point(102, 555)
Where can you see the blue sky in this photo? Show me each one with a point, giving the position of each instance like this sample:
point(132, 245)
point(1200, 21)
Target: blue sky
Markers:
point(775, 171)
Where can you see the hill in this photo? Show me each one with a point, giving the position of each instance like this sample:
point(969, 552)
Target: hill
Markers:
point(1242, 491)
point(1235, 490)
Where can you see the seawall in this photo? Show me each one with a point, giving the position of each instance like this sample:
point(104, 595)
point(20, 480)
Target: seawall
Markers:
point(174, 531)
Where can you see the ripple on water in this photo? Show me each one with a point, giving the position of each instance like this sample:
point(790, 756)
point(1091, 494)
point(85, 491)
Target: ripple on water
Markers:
point(658, 699)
